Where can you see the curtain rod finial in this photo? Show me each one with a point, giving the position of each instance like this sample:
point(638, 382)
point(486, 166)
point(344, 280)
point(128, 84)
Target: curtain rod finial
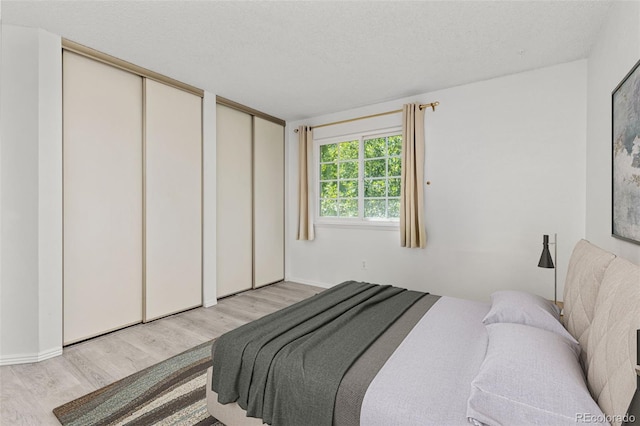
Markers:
point(431, 105)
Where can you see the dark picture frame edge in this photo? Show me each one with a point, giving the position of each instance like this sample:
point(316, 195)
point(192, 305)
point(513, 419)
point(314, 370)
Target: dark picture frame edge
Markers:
point(634, 68)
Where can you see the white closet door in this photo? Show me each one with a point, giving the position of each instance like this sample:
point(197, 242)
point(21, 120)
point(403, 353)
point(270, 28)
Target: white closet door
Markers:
point(102, 157)
point(268, 202)
point(234, 201)
point(173, 191)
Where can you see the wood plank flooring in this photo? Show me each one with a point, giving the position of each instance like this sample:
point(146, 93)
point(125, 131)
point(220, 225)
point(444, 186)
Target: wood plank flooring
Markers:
point(29, 392)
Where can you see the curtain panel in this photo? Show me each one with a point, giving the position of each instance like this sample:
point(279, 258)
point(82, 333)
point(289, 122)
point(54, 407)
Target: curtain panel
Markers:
point(305, 167)
point(412, 227)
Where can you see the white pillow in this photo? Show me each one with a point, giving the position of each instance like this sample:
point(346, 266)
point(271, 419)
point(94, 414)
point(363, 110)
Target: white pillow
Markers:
point(519, 307)
point(530, 376)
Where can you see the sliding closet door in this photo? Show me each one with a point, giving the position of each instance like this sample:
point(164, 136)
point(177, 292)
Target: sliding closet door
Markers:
point(173, 200)
point(234, 201)
point(102, 158)
point(268, 202)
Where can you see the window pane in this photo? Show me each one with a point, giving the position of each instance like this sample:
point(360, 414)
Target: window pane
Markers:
point(375, 188)
point(349, 170)
point(349, 150)
point(394, 187)
point(375, 208)
point(329, 189)
point(395, 145)
point(328, 171)
point(328, 153)
point(395, 166)
point(374, 148)
point(374, 160)
point(375, 168)
point(348, 207)
point(328, 208)
point(394, 207)
point(348, 188)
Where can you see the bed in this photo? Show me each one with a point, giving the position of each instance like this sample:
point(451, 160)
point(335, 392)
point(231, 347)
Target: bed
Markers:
point(378, 355)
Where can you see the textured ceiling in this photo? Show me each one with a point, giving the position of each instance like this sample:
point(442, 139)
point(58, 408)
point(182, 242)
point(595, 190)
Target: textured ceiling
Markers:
point(301, 59)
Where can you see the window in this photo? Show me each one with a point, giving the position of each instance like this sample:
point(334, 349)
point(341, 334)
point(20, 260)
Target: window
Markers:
point(359, 178)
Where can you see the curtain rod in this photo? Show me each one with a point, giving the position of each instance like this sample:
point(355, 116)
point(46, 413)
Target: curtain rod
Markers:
point(432, 105)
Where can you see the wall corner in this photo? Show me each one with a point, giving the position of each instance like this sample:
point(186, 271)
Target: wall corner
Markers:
point(209, 205)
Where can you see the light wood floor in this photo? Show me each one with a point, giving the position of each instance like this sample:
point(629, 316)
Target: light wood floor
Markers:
point(28, 392)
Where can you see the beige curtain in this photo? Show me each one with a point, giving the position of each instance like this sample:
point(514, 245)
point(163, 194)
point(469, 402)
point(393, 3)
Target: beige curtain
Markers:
point(305, 215)
point(412, 227)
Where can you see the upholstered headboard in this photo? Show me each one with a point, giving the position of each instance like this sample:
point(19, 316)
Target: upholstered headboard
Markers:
point(602, 310)
point(584, 276)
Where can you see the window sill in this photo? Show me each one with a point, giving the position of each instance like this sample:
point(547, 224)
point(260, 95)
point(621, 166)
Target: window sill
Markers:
point(378, 226)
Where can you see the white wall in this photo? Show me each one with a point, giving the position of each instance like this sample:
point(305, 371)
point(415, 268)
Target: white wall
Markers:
point(506, 159)
point(49, 194)
point(31, 195)
point(617, 50)
point(209, 258)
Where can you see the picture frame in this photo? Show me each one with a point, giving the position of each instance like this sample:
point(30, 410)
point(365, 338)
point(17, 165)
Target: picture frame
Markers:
point(625, 158)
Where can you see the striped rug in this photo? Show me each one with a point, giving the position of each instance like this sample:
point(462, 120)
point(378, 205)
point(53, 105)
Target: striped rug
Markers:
point(171, 392)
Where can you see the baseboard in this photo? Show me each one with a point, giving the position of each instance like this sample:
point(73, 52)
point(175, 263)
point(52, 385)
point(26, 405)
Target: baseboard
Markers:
point(29, 358)
point(209, 303)
point(310, 282)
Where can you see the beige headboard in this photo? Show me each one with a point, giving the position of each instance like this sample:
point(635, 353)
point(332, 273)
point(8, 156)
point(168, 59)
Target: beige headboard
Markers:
point(602, 310)
point(584, 276)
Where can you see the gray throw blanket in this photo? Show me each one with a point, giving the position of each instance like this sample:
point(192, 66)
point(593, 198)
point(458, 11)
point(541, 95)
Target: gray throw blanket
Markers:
point(286, 367)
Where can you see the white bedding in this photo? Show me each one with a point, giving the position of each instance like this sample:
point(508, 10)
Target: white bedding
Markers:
point(427, 380)
point(436, 362)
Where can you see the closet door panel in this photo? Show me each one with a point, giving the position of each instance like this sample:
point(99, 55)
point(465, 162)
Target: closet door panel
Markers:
point(234, 201)
point(102, 157)
point(268, 202)
point(173, 200)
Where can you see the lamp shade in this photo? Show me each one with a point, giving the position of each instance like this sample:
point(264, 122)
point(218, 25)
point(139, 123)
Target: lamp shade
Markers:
point(545, 258)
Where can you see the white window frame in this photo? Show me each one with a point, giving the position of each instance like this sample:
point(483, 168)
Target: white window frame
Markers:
point(348, 222)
